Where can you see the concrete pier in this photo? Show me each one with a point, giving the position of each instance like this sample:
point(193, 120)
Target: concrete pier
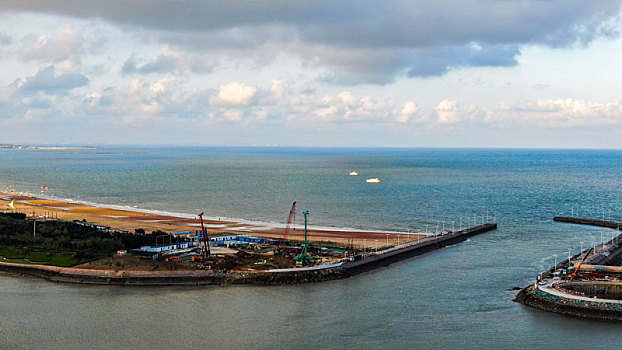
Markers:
point(394, 254)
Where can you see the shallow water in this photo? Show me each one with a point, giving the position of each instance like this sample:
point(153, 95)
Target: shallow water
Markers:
point(458, 297)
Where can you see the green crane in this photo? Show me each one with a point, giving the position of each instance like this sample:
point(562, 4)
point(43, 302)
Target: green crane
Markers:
point(302, 259)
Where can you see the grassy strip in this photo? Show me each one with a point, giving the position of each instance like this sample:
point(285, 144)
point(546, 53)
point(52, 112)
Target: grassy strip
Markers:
point(40, 256)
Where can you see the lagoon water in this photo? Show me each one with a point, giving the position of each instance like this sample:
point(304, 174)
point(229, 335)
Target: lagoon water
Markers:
point(458, 297)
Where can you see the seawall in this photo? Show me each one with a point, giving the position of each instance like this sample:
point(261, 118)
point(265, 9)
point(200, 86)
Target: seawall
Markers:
point(538, 299)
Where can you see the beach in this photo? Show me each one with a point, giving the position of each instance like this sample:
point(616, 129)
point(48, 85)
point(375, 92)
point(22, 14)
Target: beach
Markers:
point(131, 219)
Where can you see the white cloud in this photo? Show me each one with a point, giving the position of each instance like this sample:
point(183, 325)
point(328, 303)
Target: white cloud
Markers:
point(565, 113)
point(234, 94)
point(276, 92)
point(171, 60)
point(64, 46)
point(447, 112)
point(409, 112)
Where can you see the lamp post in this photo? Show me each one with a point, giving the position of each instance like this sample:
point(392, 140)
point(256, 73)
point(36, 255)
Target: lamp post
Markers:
point(555, 266)
point(34, 230)
point(581, 245)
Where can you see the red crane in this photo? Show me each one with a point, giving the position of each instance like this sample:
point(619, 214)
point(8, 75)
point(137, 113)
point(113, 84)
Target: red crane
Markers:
point(205, 252)
point(576, 271)
point(292, 212)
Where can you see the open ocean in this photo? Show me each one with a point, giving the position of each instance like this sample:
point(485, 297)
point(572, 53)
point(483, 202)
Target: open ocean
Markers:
point(458, 297)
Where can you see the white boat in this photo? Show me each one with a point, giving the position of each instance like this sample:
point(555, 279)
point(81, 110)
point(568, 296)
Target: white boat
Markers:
point(354, 173)
point(374, 180)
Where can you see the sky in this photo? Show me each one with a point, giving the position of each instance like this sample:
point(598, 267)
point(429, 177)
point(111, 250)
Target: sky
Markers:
point(447, 73)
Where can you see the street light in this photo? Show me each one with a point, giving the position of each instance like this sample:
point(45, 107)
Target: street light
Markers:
point(34, 230)
point(555, 266)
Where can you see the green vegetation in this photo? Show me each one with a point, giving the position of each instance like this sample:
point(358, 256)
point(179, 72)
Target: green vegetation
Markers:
point(62, 243)
point(39, 256)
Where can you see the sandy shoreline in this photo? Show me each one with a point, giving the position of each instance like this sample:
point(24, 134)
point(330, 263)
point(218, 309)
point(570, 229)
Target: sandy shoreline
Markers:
point(128, 219)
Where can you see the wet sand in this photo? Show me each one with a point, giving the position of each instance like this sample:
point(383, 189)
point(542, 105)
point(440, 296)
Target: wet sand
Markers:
point(128, 220)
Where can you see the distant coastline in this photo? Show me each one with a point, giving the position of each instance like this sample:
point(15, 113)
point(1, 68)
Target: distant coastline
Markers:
point(53, 148)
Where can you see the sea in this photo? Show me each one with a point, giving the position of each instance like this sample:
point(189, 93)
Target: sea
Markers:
point(459, 297)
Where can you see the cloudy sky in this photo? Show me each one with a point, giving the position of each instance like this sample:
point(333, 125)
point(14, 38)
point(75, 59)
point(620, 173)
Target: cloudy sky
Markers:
point(473, 73)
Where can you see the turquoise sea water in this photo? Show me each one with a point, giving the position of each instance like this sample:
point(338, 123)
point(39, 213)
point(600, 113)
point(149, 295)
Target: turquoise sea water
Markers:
point(458, 297)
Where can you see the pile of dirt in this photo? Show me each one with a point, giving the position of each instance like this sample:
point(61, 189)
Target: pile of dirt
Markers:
point(135, 263)
point(243, 260)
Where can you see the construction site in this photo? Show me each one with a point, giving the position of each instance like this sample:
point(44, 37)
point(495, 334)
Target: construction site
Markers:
point(226, 255)
point(588, 284)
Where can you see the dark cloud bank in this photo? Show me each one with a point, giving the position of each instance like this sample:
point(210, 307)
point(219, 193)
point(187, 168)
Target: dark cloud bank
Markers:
point(362, 41)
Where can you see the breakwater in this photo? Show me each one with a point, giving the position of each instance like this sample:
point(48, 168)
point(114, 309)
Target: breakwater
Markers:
point(539, 299)
point(360, 263)
point(394, 254)
point(591, 222)
point(592, 298)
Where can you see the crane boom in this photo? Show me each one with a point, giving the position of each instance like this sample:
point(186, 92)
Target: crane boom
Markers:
point(576, 271)
point(205, 251)
point(292, 212)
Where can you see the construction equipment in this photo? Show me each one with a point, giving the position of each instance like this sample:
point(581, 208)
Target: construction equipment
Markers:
point(576, 271)
point(205, 251)
point(303, 259)
point(292, 212)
